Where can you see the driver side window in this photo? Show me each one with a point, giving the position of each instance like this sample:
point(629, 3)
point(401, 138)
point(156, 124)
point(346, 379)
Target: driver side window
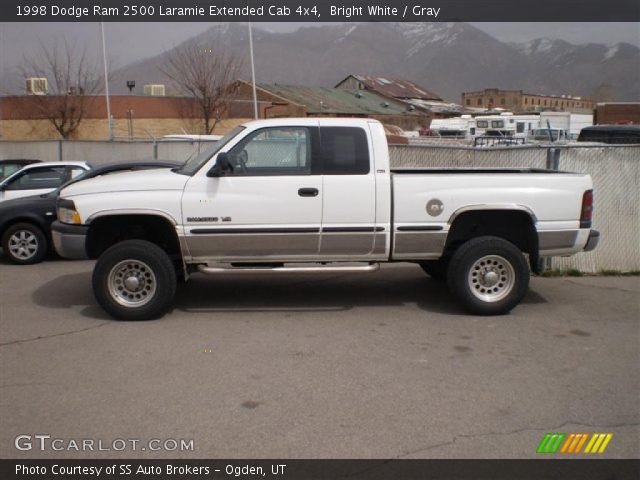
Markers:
point(273, 151)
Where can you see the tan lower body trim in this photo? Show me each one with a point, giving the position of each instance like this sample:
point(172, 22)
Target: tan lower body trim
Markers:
point(419, 245)
point(556, 240)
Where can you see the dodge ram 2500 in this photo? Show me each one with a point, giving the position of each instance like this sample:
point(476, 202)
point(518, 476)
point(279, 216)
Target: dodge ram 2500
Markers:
point(318, 195)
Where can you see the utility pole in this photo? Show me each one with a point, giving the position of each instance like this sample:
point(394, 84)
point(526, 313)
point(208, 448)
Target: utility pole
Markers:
point(106, 81)
point(253, 75)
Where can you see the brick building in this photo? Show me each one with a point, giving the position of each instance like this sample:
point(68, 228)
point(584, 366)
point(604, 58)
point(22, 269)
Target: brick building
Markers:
point(517, 101)
point(405, 91)
point(133, 116)
point(276, 100)
point(617, 113)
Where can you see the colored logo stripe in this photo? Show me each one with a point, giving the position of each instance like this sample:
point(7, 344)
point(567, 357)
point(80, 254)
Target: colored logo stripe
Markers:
point(574, 442)
point(550, 443)
point(598, 443)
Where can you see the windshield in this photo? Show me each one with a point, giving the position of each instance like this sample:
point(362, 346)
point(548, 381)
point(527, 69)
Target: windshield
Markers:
point(543, 134)
point(193, 164)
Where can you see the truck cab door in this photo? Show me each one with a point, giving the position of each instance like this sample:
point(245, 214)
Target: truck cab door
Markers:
point(349, 194)
point(268, 208)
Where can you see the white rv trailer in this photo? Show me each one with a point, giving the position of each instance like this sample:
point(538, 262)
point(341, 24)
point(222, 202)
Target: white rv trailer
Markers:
point(505, 124)
point(453, 127)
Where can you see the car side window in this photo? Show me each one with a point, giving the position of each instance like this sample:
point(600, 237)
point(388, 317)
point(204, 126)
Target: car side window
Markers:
point(344, 151)
point(75, 171)
point(9, 169)
point(273, 151)
point(46, 177)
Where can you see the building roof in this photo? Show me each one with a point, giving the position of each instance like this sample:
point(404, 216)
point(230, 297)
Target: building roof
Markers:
point(435, 106)
point(323, 100)
point(395, 87)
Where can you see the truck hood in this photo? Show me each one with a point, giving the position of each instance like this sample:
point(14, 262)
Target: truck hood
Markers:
point(142, 180)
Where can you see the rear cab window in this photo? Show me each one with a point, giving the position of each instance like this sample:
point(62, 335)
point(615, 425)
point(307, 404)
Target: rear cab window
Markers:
point(344, 151)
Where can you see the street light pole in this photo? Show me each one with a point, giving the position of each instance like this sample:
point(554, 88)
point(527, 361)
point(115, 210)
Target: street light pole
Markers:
point(253, 75)
point(106, 81)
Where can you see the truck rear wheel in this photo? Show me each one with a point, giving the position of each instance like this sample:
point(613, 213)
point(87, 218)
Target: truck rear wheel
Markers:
point(488, 275)
point(134, 280)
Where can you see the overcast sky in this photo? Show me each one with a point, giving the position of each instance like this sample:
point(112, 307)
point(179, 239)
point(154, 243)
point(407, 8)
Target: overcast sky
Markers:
point(128, 42)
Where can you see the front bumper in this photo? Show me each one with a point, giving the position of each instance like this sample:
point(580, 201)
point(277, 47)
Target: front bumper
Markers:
point(592, 241)
point(70, 240)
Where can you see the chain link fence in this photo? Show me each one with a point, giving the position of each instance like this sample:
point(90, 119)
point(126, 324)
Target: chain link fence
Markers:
point(615, 171)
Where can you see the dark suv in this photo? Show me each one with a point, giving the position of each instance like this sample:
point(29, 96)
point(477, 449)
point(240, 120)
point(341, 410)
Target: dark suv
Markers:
point(613, 134)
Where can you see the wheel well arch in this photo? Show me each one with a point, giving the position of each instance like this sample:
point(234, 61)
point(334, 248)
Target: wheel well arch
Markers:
point(107, 230)
point(25, 219)
point(517, 226)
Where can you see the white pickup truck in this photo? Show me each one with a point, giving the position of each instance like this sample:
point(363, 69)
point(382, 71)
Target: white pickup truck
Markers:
point(318, 195)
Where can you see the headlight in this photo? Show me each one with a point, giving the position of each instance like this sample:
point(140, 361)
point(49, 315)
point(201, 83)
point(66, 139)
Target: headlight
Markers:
point(67, 212)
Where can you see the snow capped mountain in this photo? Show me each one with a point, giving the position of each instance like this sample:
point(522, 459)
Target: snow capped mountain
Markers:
point(447, 58)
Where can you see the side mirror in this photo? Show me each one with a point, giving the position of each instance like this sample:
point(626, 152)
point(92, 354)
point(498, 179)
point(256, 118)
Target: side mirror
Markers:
point(222, 167)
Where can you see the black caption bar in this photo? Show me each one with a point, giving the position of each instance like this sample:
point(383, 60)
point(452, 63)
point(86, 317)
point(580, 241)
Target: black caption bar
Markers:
point(320, 10)
point(320, 469)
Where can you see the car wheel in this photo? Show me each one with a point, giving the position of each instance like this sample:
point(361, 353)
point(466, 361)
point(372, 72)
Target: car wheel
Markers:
point(436, 269)
point(488, 275)
point(24, 244)
point(134, 280)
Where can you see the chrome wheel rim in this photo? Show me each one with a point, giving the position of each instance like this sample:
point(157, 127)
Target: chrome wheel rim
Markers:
point(491, 278)
point(132, 283)
point(23, 244)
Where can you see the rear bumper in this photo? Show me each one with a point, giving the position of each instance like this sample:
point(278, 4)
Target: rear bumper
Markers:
point(70, 240)
point(592, 241)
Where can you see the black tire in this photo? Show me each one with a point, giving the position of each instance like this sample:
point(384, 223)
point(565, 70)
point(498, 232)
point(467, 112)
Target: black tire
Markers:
point(33, 248)
point(478, 263)
point(134, 280)
point(436, 269)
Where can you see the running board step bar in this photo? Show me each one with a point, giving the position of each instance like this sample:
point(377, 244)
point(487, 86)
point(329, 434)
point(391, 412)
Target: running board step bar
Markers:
point(371, 267)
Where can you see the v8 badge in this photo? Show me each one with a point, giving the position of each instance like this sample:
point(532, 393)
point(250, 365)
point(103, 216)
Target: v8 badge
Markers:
point(434, 207)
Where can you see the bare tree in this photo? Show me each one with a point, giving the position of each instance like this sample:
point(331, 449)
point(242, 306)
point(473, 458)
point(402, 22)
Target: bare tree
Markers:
point(73, 82)
point(205, 74)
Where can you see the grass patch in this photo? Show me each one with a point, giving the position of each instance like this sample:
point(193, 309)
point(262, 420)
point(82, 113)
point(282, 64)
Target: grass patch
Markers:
point(572, 272)
point(619, 273)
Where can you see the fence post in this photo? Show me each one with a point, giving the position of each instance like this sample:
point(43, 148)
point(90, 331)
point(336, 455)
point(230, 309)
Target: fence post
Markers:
point(60, 150)
point(553, 163)
point(155, 149)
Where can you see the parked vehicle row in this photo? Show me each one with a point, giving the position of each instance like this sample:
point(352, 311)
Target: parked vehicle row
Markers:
point(25, 222)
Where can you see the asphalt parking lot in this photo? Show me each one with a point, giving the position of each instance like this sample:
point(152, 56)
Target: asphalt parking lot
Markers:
point(379, 365)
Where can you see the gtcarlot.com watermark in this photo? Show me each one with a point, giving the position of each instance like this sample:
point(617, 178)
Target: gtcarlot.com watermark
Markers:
point(47, 443)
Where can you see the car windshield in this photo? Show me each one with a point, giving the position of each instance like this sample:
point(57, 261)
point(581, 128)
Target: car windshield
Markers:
point(193, 164)
point(543, 134)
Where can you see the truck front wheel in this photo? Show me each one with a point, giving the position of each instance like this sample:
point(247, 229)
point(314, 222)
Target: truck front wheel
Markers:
point(134, 280)
point(488, 275)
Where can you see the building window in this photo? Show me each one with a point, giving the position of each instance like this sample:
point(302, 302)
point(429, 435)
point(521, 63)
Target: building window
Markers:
point(526, 101)
point(479, 101)
point(503, 101)
point(468, 101)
